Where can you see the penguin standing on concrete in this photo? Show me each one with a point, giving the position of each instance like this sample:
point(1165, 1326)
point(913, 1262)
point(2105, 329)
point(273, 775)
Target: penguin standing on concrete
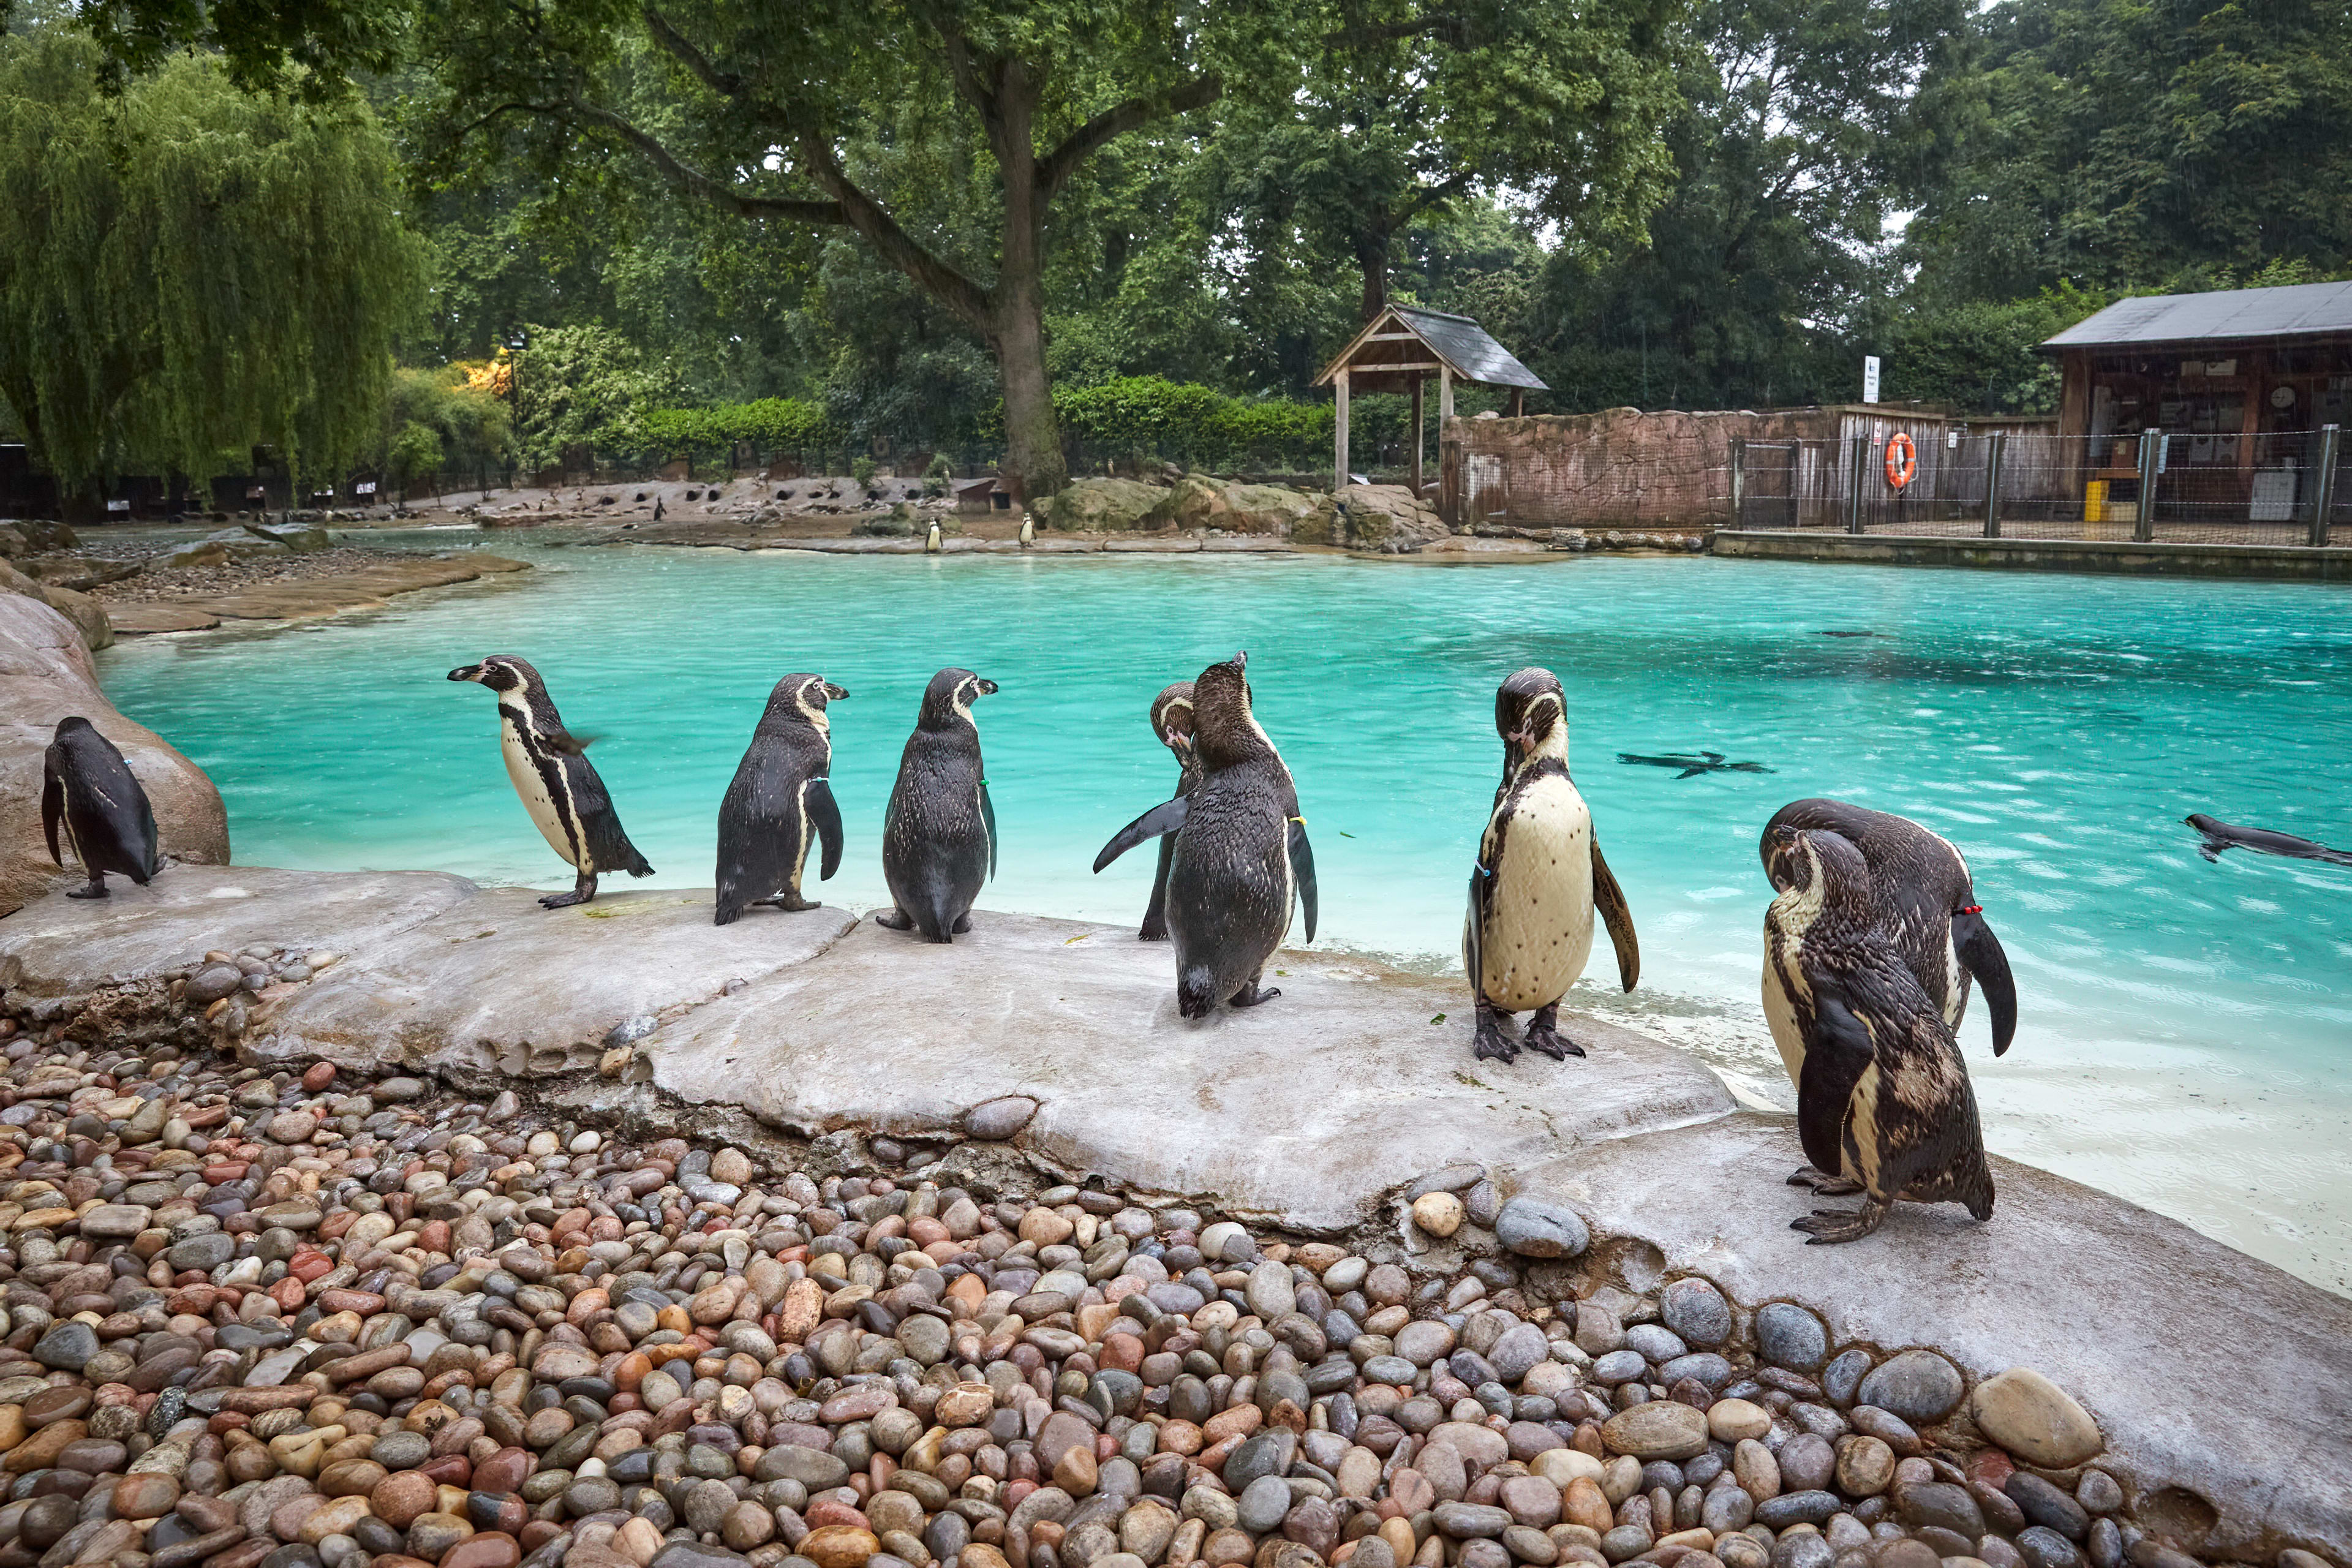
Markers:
point(91, 793)
point(1241, 854)
point(1539, 882)
point(780, 803)
point(932, 537)
point(558, 784)
point(939, 836)
point(1028, 531)
point(1924, 890)
point(1172, 721)
point(1883, 1103)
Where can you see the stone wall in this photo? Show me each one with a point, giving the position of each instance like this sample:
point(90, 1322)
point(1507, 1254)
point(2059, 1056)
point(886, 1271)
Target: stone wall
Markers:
point(1619, 469)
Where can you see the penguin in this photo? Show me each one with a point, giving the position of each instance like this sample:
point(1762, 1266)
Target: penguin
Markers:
point(1171, 722)
point(1883, 1103)
point(938, 835)
point(88, 790)
point(780, 803)
point(1538, 881)
point(1028, 531)
point(558, 784)
point(932, 537)
point(1923, 883)
point(1241, 855)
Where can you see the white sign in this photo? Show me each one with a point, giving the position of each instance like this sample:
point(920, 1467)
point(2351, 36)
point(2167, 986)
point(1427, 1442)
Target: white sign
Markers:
point(1870, 378)
point(365, 488)
point(118, 506)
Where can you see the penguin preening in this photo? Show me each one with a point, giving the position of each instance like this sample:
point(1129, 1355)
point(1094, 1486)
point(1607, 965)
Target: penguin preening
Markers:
point(89, 793)
point(1923, 888)
point(1240, 855)
point(1883, 1103)
point(1538, 881)
point(551, 772)
point(780, 803)
point(939, 836)
point(1171, 722)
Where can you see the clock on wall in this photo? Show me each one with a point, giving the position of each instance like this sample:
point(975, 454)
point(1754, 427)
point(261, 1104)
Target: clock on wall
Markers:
point(2281, 398)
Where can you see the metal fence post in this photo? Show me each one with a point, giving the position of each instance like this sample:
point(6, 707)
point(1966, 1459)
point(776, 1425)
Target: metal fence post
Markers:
point(1996, 445)
point(2151, 451)
point(1855, 470)
point(1738, 478)
point(2324, 496)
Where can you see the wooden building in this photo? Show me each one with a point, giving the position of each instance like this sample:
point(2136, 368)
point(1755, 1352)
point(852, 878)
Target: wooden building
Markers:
point(1401, 347)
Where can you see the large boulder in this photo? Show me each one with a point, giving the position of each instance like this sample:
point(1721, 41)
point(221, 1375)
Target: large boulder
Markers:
point(1100, 506)
point(1386, 520)
point(1198, 502)
point(46, 674)
point(302, 537)
point(88, 616)
point(32, 535)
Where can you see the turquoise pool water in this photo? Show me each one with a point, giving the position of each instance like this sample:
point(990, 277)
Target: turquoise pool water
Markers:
point(2184, 1025)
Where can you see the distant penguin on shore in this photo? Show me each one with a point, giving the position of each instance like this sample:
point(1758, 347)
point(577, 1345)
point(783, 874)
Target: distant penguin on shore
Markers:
point(1540, 881)
point(932, 537)
point(780, 803)
point(90, 795)
point(938, 835)
point(1241, 856)
point(558, 786)
point(1883, 1103)
point(1171, 723)
point(1028, 531)
point(1930, 903)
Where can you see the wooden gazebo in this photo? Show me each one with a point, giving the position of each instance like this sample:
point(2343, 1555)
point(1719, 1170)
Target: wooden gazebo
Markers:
point(1403, 347)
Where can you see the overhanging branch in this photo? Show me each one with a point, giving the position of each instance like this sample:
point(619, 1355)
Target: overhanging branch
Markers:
point(688, 178)
point(1053, 170)
point(861, 213)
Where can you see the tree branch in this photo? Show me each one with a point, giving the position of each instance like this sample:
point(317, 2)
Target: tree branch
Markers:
point(696, 183)
point(1427, 196)
point(1445, 25)
point(1053, 170)
point(966, 72)
point(726, 84)
point(971, 302)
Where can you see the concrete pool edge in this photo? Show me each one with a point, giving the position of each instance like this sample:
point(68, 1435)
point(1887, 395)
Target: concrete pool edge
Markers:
point(1048, 1043)
point(2289, 562)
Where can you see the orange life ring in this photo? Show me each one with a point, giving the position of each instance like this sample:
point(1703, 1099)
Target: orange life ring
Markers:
point(1902, 459)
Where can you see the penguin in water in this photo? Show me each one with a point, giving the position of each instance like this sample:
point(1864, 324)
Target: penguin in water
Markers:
point(939, 836)
point(558, 784)
point(1028, 531)
point(932, 537)
point(1241, 854)
point(1171, 722)
point(1883, 1103)
point(89, 791)
point(780, 803)
point(1923, 888)
point(1540, 880)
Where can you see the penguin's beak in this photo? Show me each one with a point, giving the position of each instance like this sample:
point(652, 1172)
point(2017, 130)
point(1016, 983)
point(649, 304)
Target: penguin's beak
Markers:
point(1241, 660)
point(466, 672)
point(988, 687)
point(834, 693)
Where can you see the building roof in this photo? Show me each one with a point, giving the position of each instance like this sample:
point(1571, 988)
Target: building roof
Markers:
point(2227, 315)
point(1460, 344)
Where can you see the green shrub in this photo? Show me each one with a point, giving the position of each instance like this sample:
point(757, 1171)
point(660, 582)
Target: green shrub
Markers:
point(936, 477)
point(861, 468)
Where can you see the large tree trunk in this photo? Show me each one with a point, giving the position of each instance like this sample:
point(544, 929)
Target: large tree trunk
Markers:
point(1372, 258)
point(1034, 465)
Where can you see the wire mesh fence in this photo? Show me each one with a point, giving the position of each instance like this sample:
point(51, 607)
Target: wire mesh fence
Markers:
point(2285, 486)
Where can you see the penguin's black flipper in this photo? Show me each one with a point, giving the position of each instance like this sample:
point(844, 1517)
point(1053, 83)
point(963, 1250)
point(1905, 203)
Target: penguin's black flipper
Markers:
point(1836, 1056)
point(1692, 772)
point(1474, 926)
point(988, 820)
point(2211, 848)
point(53, 801)
point(826, 814)
point(1155, 913)
point(1165, 817)
point(1609, 900)
point(1980, 954)
point(1302, 870)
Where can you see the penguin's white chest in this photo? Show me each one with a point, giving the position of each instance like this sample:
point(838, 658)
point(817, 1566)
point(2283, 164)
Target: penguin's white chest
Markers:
point(1780, 1012)
point(536, 797)
point(1538, 932)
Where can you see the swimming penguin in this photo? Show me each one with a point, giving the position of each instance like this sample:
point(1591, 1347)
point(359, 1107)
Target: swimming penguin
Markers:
point(939, 836)
point(1883, 1104)
point(932, 537)
point(1028, 531)
point(88, 790)
point(780, 803)
point(1241, 853)
point(1538, 881)
point(1171, 722)
point(558, 784)
point(2215, 835)
point(1930, 903)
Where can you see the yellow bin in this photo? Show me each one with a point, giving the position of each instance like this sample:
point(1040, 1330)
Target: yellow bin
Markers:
point(2094, 501)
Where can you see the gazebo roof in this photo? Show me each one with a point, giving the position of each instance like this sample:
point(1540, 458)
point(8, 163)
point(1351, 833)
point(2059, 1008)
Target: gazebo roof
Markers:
point(1404, 341)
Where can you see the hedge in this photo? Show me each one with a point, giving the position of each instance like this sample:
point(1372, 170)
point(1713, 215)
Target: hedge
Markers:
point(769, 425)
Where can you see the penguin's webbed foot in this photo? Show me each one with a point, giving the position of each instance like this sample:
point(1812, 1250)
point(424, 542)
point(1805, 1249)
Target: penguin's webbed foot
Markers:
point(962, 924)
point(1493, 1045)
point(1827, 1227)
point(894, 920)
point(1153, 930)
point(1543, 1035)
point(96, 890)
point(564, 900)
point(791, 902)
point(1824, 1184)
point(1253, 994)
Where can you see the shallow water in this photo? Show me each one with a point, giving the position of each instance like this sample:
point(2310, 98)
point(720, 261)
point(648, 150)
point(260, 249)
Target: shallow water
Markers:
point(2185, 1026)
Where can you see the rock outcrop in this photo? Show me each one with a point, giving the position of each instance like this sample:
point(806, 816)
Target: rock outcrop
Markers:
point(1100, 506)
point(46, 674)
point(86, 615)
point(1199, 501)
point(1387, 519)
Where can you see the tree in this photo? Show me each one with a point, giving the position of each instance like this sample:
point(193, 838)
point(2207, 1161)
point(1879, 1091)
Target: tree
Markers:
point(189, 270)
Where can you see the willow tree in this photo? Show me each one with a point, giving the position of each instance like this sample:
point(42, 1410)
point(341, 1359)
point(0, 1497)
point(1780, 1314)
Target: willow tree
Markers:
point(188, 269)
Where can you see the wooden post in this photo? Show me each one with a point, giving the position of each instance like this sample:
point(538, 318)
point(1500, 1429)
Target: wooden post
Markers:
point(1444, 398)
point(1855, 473)
point(2324, 491)
point(1738, 478)
point(2151, 450)
point(1340, 433)
point(1996, 445)
point(1417, 380)
point(1518, 403)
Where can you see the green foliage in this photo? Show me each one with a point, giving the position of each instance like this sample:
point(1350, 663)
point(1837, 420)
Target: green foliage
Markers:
point(188, 270)
point(769, 425)
point(862, 470)
point(414, 450)
point(433, 419)
point(937, 476)
point(586, 386)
